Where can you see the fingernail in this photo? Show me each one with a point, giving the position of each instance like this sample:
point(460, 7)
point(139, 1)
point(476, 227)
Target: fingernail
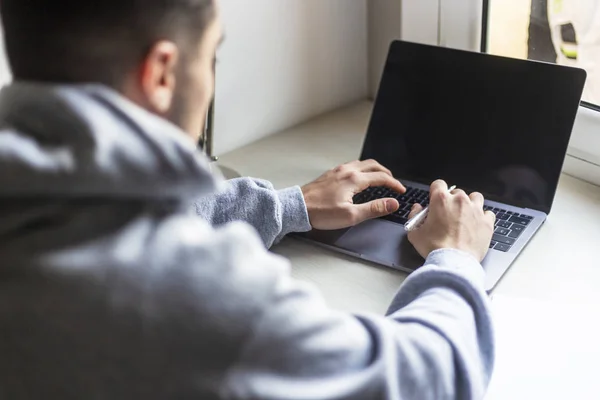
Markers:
point(389, 206)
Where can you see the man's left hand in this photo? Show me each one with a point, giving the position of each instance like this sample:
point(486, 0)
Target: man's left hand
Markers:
point(329, 198)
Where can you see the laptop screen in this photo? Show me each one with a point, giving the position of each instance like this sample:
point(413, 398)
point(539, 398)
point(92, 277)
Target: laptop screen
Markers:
point(491, 124)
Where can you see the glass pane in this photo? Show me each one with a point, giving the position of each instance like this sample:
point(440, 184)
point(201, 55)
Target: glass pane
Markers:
point(566, 32)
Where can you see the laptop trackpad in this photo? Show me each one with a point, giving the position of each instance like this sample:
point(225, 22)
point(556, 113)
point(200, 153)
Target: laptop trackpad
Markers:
point(383, 242)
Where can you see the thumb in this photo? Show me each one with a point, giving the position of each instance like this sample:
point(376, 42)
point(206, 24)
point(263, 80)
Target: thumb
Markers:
point(416, 208)
point(377, 208)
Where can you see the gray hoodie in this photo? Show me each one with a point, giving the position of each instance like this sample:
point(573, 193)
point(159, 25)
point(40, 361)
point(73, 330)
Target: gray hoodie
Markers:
point(110, 289)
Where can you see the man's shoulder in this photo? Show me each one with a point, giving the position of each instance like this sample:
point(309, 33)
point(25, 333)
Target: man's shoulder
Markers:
point(171, 264)
point(214, 282)
point(224, 267)
point(159, 294)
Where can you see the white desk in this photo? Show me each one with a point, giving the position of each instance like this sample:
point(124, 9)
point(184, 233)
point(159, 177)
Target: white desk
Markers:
point(562, 262)
point(561, 265)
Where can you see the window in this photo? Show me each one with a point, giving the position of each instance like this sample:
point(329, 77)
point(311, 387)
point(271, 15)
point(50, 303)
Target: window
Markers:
point(566, 32)
point(561, 31)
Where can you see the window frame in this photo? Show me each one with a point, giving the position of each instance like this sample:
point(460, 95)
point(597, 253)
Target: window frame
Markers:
point(464, 24)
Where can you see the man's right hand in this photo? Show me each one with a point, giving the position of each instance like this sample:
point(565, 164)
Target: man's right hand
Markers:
point(455, 221)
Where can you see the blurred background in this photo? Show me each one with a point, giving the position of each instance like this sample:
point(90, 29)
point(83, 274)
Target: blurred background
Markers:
point(566, 32)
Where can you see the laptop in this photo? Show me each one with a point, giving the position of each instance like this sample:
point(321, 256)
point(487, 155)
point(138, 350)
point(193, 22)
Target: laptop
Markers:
point(495, 125)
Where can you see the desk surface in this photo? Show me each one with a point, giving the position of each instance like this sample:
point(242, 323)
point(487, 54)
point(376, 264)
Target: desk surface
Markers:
point(561, 262)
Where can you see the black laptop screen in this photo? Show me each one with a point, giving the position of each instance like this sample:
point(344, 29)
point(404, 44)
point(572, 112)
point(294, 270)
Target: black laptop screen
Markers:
point(496, 125)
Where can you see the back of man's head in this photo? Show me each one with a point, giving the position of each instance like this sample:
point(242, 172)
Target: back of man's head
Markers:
point(72, 41)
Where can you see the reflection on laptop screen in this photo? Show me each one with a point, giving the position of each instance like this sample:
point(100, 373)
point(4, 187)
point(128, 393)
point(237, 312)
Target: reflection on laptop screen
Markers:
point(496, 125)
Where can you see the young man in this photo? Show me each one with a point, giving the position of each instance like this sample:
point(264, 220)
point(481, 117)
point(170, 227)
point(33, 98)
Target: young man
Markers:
point(110, 289)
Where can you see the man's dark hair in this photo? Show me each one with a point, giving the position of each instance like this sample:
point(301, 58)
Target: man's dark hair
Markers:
point(75, 41)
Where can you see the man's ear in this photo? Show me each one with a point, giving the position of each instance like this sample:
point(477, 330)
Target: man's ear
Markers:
point(158, 76)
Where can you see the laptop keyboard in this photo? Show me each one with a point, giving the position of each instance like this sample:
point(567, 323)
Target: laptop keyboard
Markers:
point(508, 228)
point(406, 200)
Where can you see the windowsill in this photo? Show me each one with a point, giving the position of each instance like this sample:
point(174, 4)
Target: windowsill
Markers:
point(578, 167)
point(583, 159)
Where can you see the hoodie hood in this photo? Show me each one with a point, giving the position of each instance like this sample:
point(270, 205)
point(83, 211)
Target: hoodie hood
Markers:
point(88, 141)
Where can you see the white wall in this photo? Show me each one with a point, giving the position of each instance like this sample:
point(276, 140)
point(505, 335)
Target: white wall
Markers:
point(284, 61)
point(384, 27)
point(5, 76)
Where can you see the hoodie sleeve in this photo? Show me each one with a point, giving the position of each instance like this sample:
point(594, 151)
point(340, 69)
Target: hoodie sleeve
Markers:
point(436, 342)
point(272, 213)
